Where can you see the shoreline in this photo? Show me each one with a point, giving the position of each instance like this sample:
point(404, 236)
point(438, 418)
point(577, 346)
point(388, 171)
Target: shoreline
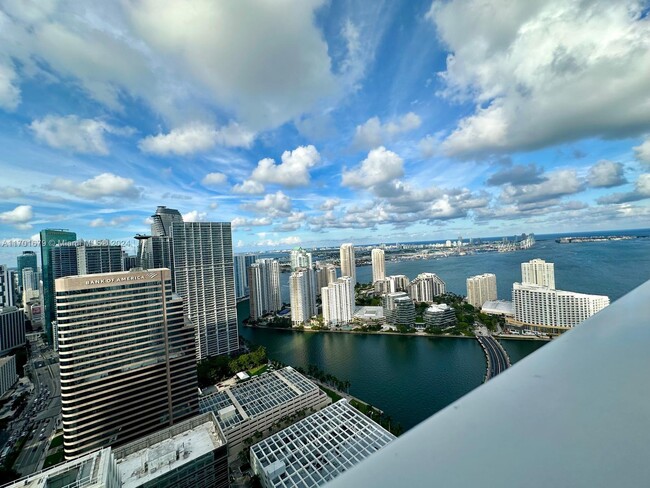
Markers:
point(413, 334)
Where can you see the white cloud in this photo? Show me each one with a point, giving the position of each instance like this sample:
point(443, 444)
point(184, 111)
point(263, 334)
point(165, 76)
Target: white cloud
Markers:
point(18, 217)
point(214, 206)
point(285, 241)
point(195, 216)
point(541, 73)
point(9, 192)
point(84, 136)
point(330, 204)
point(9, 91)
point(373, 133)
point(642, 152)
point(641, 192)
point(273, 204)
point(606, 174)
point(248, 187)
point(214, 179)
point(194, 138)
point(103, 185)
point(556, 184)
point(115, 222)
point(292, 172)
point(238, 222)
point(380, 167)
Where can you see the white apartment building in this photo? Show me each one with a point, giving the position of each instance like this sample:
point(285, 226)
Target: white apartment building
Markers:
point(348, 262)
point(481, 288)
point(553, 310)
point(264, 287)
point(538, 272)
point(426, 286)
point(338, 302)
point(300, 259)
point(302, 292)
point(378, 265)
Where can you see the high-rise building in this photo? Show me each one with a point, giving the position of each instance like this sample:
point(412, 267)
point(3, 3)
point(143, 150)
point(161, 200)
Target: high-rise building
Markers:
point(302, 292)
point(64, 260)
point(12, 329)
point(155, 250)
point(31, 278)
point(300, 259)
point(49, 239)
point(338, 302)
point(426, 286)
point(26, 260)
point(481, 289)
point(404, 313)
point(6, 288)
point(8, 376)
point(553, 310)
point(439, 315)
point(127, 358)
point(348, 262)
point(538, 272)
point(390, 306)
point(242, 262)
point(264, 284)
point(129, 262)
point(98, 257)
point(325, 274)
point(162, 220)
point(204, 277)
point(378, 265)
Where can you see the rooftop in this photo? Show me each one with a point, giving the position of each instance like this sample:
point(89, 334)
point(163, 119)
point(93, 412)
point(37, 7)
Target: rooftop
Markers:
point(369, 313)
point(498, 307)
point(315, 450)
point(438, 307)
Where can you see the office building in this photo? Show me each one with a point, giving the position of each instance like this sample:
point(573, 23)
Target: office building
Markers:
point(31, 278)
point(264, 285)
point(378, 265)
point(94, 257)
point(338, 302)
point(129, 262)
point(26, 260)
point(404, 313)
point(49, 239)
point(64, 260)
point(204, 276)
point(481, 288)
point(242, 262)
point(388, 302)
point(302, 294)
point(95, 470)
point(439, 316)
point(8, 376)
point(300, 258)
point(260, 403)
point(34, 312)
point(12, 329)
point(554, 311)
point(127, 358)
point(162, 220)
point(348, 262)
point(425, 287)
point(538, 272)
point(155, 250)
point(6, 287)
point(318, 448)
point(189, 454)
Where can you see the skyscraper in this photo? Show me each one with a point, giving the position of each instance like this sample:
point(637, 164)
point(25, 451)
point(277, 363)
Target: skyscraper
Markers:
point(242, 262)
point(302, 291)
point(99, 257)
point(6, 288)
point(348, 263)
point(378, 265)
point(49, 239)
point(264, 283)
point(64, 260)
point(203, 272)
point(300, 259)
point(155, 250)
point(127, 358)
point(481, 288)
point(163, 219)
point(426, 286)
point(538, 272)
point(338, 302)
point(26, 260)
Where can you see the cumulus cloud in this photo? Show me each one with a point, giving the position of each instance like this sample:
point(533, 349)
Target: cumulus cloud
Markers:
point(214, 179)
point(373, 133)
point(293, 171)
point(9, 192)
point(642, 152)
point(330, 204)
point(195, 216)
point(379, 168)
point(86, 136)
point(641, 192)
point(9, 91)
point(273, 204)
point(517, 175)
point(101, 186)
point(114, 222)
point(238, 222)
point(528, 65)
point(19, 217)
point(248, 187)
point(285, 241)
point(195, 138)
point(606, 174)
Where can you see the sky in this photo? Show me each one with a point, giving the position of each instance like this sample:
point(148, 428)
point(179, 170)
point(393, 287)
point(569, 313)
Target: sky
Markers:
point(311, 123)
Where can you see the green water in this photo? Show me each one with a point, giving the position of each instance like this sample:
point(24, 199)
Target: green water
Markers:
point(410, 378)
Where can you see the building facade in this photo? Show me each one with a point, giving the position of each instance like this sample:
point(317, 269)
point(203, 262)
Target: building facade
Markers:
point(7, 292)
point(242, 262)
point(300, 258)
point(425, 287)
point(302, 294)
point(348, 262)
point(26, 260)
point(481, 289)
point(12, 329)
point(538, 272)
point(8, 376)
point(98, 257)
point(204, 277)
point(264, 287)
point(127, 358)
point(378, 265)
point(338, 302)
point(439, 316)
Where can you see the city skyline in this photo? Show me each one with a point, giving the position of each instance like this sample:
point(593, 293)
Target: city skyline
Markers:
point(358, 124)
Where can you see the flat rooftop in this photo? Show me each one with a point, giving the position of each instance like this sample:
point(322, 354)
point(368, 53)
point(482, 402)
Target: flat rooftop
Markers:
point(498, 307)
point(255, 397)
point(369, 313)
point(318, 448)
point(152, 456)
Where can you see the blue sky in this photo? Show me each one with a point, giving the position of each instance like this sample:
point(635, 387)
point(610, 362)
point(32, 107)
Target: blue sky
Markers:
point(311, 122)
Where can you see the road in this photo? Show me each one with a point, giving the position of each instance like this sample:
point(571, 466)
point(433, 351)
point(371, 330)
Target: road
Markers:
point(497, 358)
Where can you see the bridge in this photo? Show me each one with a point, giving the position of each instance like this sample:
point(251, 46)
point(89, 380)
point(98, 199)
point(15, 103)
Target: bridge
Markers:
point(497, 357)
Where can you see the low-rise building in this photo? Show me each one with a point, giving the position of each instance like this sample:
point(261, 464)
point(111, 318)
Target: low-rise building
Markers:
point(253, 407)
point(498, 307)
point(318, 448)
point(439, 316)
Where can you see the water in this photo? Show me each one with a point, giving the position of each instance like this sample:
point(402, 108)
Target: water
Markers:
point(411, 378)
